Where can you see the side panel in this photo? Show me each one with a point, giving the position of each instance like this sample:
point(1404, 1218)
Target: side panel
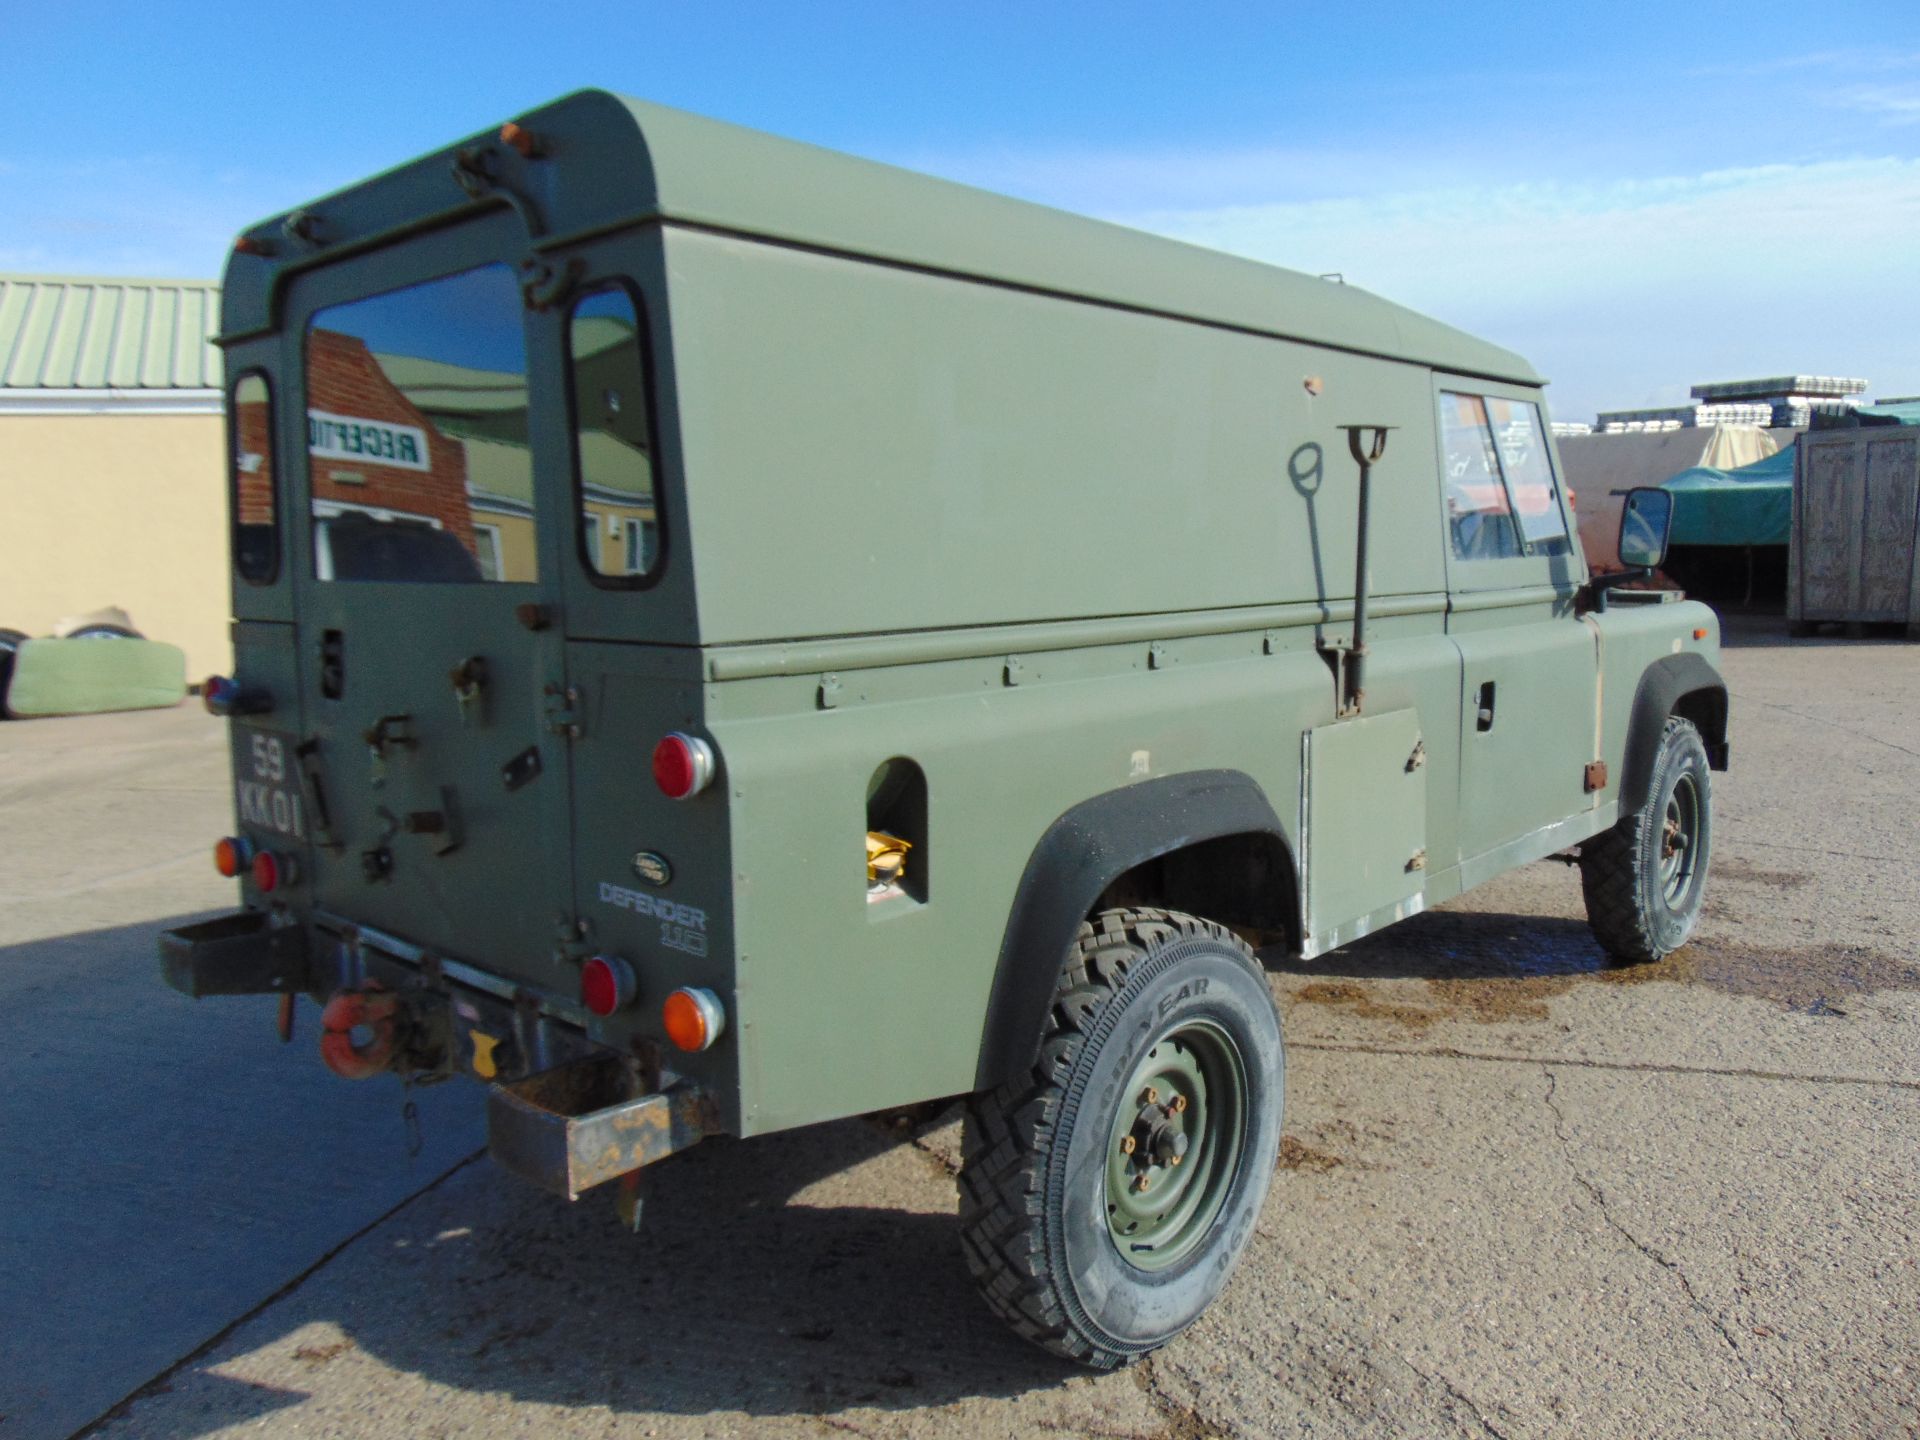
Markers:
point(847, 1006)
point(871, 448)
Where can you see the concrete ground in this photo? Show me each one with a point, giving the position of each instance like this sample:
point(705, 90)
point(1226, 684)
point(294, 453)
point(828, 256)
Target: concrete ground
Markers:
point(1521, 1194)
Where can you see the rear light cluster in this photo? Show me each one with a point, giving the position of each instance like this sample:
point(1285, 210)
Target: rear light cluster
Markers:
point(235, 855)
point(683, 765)
point(693, 1018)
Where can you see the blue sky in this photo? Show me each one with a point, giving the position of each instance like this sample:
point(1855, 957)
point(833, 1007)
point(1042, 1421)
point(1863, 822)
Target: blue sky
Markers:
point(1635, 196)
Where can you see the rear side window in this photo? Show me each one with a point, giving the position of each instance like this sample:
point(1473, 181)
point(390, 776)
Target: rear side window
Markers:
point(417, 435)
point(620, 538)
point(251, 495)
point(1500, 494)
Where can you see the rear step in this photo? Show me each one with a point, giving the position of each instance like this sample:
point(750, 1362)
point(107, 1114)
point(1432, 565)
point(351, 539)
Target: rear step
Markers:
point(569, 1128)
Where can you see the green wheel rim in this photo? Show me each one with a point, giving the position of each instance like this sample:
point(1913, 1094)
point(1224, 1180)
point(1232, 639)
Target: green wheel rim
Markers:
point(1175, 1145)
point(1680, 842)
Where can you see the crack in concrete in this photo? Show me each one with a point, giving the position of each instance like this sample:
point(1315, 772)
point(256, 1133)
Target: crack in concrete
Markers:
point(1672, 1267)
point(1459, 1396)
point(1448, 1052)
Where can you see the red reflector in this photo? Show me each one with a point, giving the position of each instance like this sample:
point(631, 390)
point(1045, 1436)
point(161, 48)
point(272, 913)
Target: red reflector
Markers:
point(266, 872)
point(606, 984)
point(682, 765)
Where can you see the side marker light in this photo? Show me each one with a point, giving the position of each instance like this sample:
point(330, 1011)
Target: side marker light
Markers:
point(694, 1018)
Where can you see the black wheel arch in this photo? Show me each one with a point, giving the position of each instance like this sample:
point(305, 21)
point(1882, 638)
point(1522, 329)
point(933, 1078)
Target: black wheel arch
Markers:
point(1204, 841)
point(1684, 685)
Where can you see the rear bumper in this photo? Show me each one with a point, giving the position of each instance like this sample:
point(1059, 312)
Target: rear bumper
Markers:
point(562, 1112)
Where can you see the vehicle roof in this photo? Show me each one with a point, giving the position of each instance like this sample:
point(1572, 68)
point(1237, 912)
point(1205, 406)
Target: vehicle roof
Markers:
point(651, 162)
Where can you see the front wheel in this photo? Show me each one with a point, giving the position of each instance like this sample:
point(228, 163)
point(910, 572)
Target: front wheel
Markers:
point(1645, 879)
point(1108, 1193)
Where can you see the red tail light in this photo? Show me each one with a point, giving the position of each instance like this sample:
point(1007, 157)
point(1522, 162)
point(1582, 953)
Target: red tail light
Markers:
point(683, 765)
point(607, 984)
point(267, 872)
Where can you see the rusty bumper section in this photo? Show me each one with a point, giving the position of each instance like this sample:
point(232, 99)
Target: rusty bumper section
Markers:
point(238, 954)
point(571, 1128)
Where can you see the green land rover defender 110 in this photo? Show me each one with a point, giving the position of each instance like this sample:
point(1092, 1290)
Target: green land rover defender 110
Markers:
point(730, 636)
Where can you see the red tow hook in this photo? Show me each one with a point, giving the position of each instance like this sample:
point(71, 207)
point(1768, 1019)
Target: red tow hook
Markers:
point(374, 1010)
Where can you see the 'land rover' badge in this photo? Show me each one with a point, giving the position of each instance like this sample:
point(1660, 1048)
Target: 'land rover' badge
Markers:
point(652, 868)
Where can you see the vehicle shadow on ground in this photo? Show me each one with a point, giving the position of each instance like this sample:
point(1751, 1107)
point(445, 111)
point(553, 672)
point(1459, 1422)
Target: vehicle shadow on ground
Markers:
point(1463, 945)
point(742, 1293)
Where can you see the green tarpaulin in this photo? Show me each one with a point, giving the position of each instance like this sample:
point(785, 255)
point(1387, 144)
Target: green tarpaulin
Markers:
point(1749, 506)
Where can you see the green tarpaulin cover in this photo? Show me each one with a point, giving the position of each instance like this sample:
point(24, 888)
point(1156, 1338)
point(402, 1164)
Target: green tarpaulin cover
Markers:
point(86, 677)
point(1749, 506)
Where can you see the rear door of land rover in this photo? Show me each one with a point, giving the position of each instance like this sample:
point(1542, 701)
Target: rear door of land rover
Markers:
point(429, 555)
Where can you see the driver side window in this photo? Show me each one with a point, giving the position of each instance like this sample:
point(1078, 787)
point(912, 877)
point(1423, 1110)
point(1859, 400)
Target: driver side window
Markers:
point(1500, 494)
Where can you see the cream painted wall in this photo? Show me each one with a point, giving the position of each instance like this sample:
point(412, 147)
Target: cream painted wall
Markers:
point(126, 510)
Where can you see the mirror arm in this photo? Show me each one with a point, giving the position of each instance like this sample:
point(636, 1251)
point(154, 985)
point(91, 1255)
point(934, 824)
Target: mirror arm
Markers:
point(1599, 585)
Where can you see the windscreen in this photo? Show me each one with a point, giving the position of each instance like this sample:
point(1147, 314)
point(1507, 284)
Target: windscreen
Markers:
point(417, 438)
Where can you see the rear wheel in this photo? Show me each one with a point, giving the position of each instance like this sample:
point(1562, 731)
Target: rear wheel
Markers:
point(1645, 879)
point(1107, 1194)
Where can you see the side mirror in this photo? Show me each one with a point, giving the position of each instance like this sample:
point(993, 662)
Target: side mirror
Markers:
point(1646, 521)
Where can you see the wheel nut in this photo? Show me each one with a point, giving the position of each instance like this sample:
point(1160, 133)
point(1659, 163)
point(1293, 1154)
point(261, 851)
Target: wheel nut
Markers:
point(1141, 1183)
point(1126, 1145)
point(1152, 1097)
point(1179, 1104)
point(1175, 1159)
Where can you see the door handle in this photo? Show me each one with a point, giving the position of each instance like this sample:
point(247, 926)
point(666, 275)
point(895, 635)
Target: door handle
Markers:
point(1483, 708)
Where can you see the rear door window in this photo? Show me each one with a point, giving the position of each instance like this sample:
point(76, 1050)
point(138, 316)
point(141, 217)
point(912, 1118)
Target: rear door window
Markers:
point(417, 438)
point(620, 536)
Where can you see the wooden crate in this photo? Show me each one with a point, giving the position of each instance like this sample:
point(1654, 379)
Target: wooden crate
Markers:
point(1854, 553)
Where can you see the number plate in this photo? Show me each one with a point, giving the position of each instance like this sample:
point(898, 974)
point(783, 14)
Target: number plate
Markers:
point(266, 782)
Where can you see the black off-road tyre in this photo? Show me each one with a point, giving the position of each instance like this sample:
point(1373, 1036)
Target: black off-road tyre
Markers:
point(1646, 878)
point(1064, 1168)
point(10, 643)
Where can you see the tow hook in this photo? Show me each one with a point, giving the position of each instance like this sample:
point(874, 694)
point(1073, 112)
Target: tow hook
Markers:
point(374, 1013)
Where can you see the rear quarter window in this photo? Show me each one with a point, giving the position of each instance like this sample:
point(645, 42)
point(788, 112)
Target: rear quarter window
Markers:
point(252, 495)
point(609, 389)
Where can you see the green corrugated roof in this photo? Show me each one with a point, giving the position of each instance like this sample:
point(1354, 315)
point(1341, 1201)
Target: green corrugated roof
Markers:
point(68, 332)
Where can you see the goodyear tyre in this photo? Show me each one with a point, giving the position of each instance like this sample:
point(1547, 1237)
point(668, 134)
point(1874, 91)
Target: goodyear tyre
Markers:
point(1107, 1195)
point(1645, 879)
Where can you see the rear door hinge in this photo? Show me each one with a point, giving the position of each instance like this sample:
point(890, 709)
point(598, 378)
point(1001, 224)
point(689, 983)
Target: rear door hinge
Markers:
point(1596, 776)
point(563, 711)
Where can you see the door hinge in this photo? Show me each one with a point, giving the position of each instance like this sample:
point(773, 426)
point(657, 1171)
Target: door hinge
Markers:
point(1596, 776)
point(563, 713)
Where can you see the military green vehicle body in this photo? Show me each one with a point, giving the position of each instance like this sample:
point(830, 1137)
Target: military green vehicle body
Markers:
point(1027, 538)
